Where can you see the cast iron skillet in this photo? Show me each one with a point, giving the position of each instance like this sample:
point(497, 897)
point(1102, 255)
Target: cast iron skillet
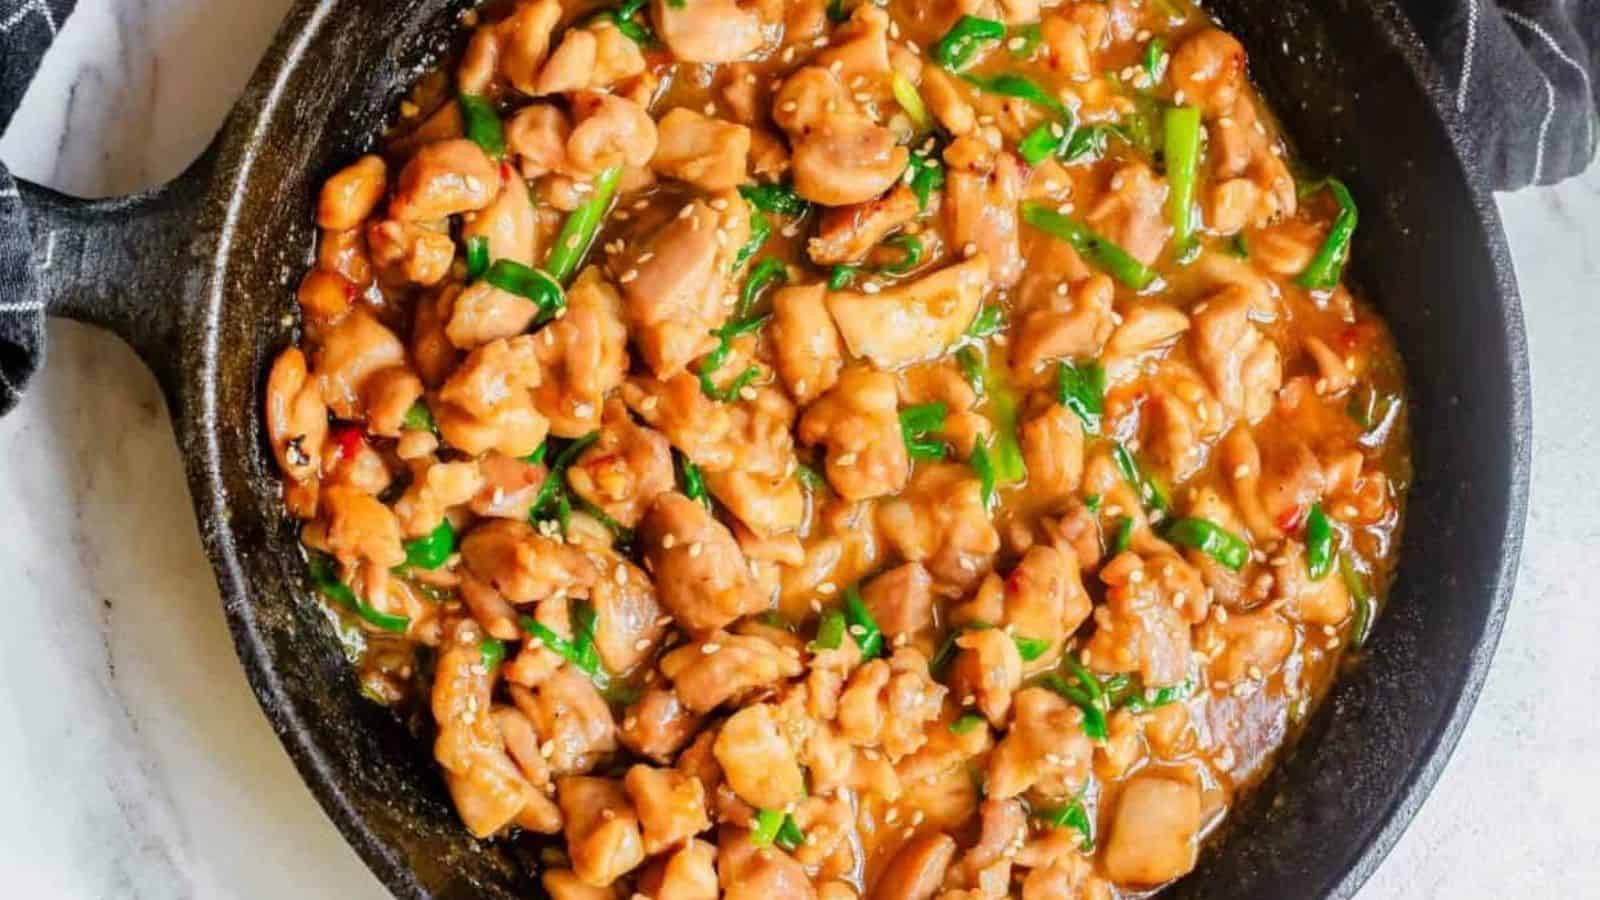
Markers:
point(199, 277)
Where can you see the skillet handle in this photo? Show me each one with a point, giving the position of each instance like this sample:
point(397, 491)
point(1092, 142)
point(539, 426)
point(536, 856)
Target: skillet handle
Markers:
point(128, 264)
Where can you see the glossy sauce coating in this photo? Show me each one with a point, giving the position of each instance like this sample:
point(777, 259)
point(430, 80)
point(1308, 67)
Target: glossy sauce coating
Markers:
point(791, 449)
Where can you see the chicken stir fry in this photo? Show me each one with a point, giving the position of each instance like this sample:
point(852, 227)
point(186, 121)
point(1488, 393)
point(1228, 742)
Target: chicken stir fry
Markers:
point(842, 450)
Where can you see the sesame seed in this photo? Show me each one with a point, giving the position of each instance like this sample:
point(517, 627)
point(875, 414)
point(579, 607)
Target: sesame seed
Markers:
point(641, 644)
point(827, 588)
point(694, 549)
point(669, 541)
point(710, 648)
point(845, 459)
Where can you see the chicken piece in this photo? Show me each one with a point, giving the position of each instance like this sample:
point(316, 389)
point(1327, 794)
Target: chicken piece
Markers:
point(359, 528)
point(627, 616)
point(1244, 367)
point(1045, 749)
point(1254, 187)
point(1146, 327)
point(537, 134)
point(608, 131)
point(435, 488)
point(1140, 627)
point(702, 575)
point(523, 564)
point(748, 872)
point(488, 789)
point(657, 725)
point(914, 320)
point(297, 419)
point(571, 717)
point(767, 507)
point(1334, 377)
point(901, 600)
point(487, 404)
point(325, 296)
point(508, 225)
point(761, 439)
point(1154, 832)
point(350, 195)
point(1208, 68)
point(917, 869)
point(674, 284)
point(805, 343)
point(733, 665)
point(432, 351)
point(583, 356)
point(564, 884)
point(1289, 479)
point(840, 156)
point(828, 824)
point(1317, 602)
point(859, 422)
point(388, 395)
point(987, 669)
point(481, 312)
point(690, 873)
point(1243, 645)
point(510, 486)
point(846, 233)
point(888, 703)
point(707, 31)
point(445, 179)
point(671, 806)
point(1045, 598)
point(1072, 36)
point(946, 100)
point(694, 423)
point(859, 47)
point(982, 191)
point(352, 351)
point(540, 814)
point(1052, 447)
point(623, 471)
point(709, 153)
point(516, 48)
point(1131, 214)
point(405, 252)
point(757, 759)
point(847, 160)
point(940, 521)
point(595, 56)
point(603, 838)
point(1002, 829)
point(1063, 324)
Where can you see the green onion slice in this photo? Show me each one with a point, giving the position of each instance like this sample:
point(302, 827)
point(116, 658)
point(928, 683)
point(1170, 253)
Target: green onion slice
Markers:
point(965, 39)
point(916, 423)
point(869, 637)
point(694, 482)
point(1211, 539)
point(1149, 492)
point(830, 631)
point(927, 176)
point(984, 467)
point(765, 830)
point(1072, 815)
point(525, 281)
point(325, 580)
point(989, 320)
point(567, 650)
point(768, 271)
point(430, 552)
point(1124, 537)
point(972, 368)
point(778, 199)
point(1327, 267)
point(912, 246)
point(1181, 130)
point(1031, 649)
point(419, 418)
point(1115, 260)
point(482, 124)
point(1082, 389)
point(905, 93)
point(582, 224)
point(477, 256)
point(493, 653)
point(1319, 543)
point(966, 723)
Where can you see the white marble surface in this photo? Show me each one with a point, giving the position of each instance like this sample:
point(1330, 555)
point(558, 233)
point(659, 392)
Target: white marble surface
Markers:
point(138, 765)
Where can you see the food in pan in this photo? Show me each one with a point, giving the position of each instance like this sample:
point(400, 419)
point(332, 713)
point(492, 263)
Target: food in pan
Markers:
point(828, 449)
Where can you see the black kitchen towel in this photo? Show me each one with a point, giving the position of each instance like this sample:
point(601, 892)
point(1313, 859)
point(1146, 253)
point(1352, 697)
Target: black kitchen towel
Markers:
point(1522, 74)
point(27, 27)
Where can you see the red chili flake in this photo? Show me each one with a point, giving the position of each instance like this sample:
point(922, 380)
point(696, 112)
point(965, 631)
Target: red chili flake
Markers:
point(349, 439)
point(1292, 520)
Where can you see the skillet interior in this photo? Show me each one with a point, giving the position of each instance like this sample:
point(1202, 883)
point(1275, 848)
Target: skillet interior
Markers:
point(1344, 77)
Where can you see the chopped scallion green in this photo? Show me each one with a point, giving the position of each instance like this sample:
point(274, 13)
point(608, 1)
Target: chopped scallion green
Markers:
point(1211, 539)
point(525, 281)
point(1082, 389)
point(1118, 262)
point(969, 36)
point(430, 552)
point(1319, 543)
point(1327, 267)
point(482, 124)
point(869, 637)
point(578, 231)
